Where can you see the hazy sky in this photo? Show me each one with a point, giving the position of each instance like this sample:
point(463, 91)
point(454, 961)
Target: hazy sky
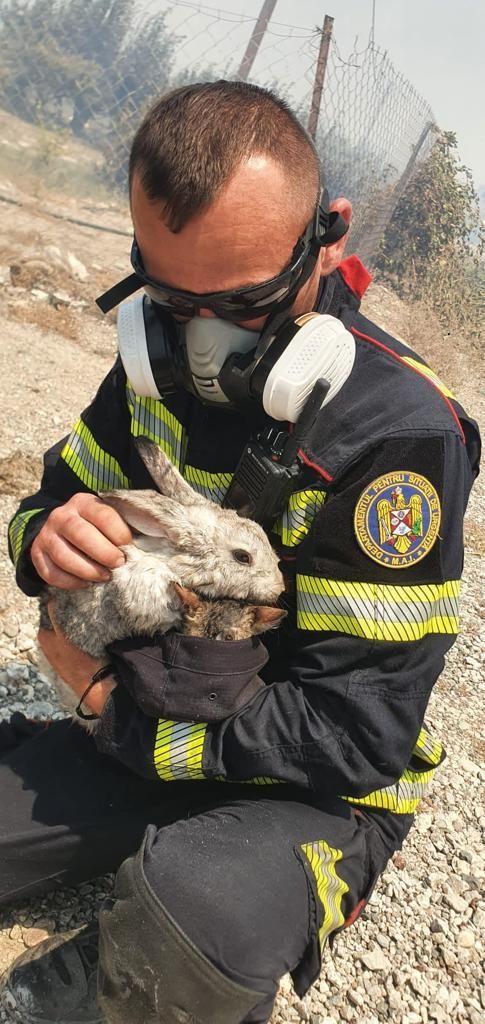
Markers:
point(438, 44)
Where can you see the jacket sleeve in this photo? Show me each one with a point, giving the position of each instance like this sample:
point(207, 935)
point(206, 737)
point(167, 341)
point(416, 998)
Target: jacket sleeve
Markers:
point(373, 622)
point(93, 457)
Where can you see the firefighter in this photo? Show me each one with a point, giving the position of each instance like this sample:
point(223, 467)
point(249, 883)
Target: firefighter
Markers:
point(243, 841)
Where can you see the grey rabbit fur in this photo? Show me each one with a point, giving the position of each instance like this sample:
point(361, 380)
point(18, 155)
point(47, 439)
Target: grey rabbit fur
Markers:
point(180, 537)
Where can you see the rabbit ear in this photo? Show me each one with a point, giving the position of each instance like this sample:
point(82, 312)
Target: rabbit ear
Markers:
point(265, 617)
point(153, 515)
point(188, 598)
point(164, 474)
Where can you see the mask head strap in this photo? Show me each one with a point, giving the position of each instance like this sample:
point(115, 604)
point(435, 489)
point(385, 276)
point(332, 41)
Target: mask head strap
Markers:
point(119, 292)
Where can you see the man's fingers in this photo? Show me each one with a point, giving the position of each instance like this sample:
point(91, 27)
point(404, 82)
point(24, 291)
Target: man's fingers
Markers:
point(87, 539)
point(68, 558)
point(79, 543)
point(59, 556)
point(107, 521)
point(53, 575)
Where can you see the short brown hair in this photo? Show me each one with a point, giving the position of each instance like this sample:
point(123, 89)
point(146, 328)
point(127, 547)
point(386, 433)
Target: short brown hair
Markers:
point(193, 139)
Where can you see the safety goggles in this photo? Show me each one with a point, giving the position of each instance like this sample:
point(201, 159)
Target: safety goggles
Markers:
point(238, 304)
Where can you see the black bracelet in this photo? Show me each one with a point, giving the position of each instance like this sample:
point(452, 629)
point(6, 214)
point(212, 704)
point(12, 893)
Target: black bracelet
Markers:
point(106, 670)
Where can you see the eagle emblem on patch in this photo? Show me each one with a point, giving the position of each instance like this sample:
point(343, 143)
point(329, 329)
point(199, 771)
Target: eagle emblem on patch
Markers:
point(397, 519)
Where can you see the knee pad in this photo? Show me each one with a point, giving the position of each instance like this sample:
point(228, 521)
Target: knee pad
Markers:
point(150, 971)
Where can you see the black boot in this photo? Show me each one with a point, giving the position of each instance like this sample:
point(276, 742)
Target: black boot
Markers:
point(56, 982)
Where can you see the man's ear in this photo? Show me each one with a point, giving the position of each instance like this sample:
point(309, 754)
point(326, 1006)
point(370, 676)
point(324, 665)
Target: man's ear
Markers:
point(332, 255)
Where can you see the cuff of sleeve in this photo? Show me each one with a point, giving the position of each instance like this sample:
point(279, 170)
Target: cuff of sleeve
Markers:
point(27, 577)
point(189, 678)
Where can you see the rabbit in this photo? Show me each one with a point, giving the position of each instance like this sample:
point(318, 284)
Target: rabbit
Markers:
point(224, 620)
point(180, 537)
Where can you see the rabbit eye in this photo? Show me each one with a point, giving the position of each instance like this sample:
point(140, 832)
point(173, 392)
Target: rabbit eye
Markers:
point(242, 556)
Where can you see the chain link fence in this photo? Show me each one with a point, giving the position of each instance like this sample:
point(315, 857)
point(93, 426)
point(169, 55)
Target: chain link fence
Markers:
point(83, 72)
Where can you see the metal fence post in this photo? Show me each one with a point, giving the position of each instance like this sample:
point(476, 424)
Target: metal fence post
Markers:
point(409, 168)
point(320, 75)
point(366, 240)
point(255, 41)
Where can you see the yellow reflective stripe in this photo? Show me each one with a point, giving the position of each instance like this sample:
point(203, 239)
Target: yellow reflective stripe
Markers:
point(96, 468)
point(377, 611)
point(178, 751)
point(212, 485)
point(257, 780)
point(428, 749)
point(428, 372)
point(402, 796)
point(298, 516)
point(150, 418)
point(16, 530)
point(330, 887)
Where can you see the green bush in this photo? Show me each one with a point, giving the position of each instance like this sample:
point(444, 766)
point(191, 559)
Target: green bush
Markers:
point(433, 247)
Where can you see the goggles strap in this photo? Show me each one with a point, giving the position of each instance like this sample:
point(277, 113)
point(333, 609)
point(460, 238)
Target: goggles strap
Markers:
point(119, 292)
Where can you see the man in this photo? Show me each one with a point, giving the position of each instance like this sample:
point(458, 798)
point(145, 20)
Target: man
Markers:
point(264, 830)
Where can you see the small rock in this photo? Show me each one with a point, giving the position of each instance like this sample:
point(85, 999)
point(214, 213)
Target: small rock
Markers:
point(32, 936)
point(59, 299)
point(424, 822)
point(17, 671)
point(15, 933)
point(39, 709)
point(436, 1012)
point(354, 997)
point(24, 643)
point(466, 938)
point(399, 861)
point(301, 1009)
point(418, 983)
point(376, 961)
point(10, 627)
point(437, 926)
point(449, 957)
point(394, 999)
point(457, 903)
point(78, 270)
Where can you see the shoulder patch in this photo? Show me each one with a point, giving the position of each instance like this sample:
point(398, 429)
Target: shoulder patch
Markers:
point(397, 519)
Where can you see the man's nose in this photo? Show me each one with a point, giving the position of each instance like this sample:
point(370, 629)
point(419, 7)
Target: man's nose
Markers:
point(206, 313)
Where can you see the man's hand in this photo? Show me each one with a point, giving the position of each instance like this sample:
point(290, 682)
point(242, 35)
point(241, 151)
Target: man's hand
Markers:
point(79, 543)
point(74, 666)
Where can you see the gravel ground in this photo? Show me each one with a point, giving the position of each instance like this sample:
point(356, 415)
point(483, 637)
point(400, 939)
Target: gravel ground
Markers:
point(415, 955)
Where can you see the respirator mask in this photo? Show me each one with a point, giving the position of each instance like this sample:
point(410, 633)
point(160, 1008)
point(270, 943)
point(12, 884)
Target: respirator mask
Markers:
point(293, 367)
point(226, 365)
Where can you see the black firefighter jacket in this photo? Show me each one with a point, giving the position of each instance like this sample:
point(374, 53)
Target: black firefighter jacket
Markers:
point(372, 544)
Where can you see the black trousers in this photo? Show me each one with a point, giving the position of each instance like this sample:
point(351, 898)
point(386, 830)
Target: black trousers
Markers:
point(258, 878)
